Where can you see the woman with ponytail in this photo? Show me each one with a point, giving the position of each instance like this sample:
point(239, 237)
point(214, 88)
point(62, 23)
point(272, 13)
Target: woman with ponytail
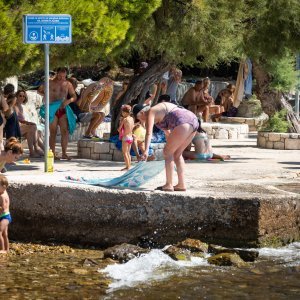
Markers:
point(13, 149)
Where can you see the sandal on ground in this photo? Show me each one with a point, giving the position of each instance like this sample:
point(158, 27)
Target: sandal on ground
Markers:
point(178, 189)
point(88, 137)
point(161, 188)
point(65, 156)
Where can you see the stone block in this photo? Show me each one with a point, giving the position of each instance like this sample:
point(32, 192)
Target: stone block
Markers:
point(274, 137)
point(85, 152)
point(113, 146)
point(285, 135)
point(261, 141)
point(279, 145)
point(250, 122)
point(232, 133)
point(294, 135)
point(292, 144)
point(221, 134)
point(81, 143)
point(107, 157)
point(102, 147)
point(90, 144)
point(244, 129)
point(239, 120)
point(252, 128)
point(95, 156)
point(159, 154)
point(208, 129)
point(117, 156)
point(269, 145)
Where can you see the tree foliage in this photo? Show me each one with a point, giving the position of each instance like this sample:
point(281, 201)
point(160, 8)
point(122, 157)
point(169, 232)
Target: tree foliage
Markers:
point(98, 28)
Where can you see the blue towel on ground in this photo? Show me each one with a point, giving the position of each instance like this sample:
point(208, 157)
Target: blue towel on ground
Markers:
point(135, 177)
point(53, 107)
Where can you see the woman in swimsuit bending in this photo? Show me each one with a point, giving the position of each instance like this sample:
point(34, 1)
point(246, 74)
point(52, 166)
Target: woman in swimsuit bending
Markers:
point(180, 126)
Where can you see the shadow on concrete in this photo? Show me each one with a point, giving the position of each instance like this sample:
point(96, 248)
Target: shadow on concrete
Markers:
point(234, 146)
point(297, 163)
point(21, 167)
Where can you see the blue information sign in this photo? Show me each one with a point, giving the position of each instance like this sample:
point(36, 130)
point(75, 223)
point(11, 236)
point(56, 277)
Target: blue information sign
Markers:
point(47, 29)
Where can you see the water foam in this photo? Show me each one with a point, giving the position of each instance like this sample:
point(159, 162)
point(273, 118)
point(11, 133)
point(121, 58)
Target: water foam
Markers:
point(289, 254)
point(154, 265)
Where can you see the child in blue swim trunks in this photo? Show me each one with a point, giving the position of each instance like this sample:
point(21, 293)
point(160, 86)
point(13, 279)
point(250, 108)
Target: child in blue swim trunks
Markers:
point(5, 217)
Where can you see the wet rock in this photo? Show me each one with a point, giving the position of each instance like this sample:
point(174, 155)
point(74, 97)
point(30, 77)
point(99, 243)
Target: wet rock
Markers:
point(198, 254)
point(80, 271)
point(178, 253)
point(246, 255)
point(124, 252)
point(193, 245)
point(257, 271)
point(227, 259)
point(88, 262)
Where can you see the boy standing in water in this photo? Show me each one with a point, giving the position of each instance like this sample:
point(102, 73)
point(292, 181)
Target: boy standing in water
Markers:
point(5, 217)
point(125, 134)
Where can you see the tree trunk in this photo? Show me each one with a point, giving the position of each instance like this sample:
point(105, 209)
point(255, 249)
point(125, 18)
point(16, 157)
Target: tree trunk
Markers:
point(271, 100)
point(137, 89)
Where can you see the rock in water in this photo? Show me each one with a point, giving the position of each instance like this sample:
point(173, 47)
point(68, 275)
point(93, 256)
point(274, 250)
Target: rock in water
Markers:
point(178, 253)
point(246, 255)
point(124, 252)
point(227, 259)
point(193, 245)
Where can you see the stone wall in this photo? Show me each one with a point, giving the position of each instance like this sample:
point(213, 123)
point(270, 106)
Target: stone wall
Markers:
point(82, 127)
point(254, 123)
point(282, 141)
point(108, 151)
point(226, 131)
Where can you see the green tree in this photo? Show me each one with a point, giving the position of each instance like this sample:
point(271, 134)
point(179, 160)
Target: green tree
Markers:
point(207, 32)
point(98, 28)
point(272, 41)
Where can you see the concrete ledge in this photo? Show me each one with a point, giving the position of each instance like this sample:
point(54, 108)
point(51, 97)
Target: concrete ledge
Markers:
point(226, 131)
point(93, 215)
point(81, 129)
point(253, 123)
point(108, 151)
point(282, 141)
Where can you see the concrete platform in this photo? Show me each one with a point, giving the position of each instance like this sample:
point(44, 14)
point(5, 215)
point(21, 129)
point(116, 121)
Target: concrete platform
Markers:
point(253, 199)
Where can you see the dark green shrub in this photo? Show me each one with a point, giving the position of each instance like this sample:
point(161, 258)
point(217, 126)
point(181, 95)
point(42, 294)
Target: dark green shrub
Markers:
point(277, 123)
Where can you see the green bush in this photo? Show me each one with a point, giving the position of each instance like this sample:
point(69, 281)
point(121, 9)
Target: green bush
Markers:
point(278, 122)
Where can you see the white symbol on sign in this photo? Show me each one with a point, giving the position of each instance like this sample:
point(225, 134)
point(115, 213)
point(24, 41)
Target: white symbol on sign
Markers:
point(33, 35)
point(52, 37)
point(44, 36)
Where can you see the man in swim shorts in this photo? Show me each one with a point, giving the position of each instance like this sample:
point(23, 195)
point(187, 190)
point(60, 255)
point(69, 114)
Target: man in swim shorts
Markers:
point(59, 89)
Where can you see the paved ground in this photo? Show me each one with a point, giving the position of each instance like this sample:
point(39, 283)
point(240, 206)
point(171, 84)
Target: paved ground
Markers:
point(250, 171)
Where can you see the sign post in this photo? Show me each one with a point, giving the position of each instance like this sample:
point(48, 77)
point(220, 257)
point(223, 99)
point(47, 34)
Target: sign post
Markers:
point(47, 29)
